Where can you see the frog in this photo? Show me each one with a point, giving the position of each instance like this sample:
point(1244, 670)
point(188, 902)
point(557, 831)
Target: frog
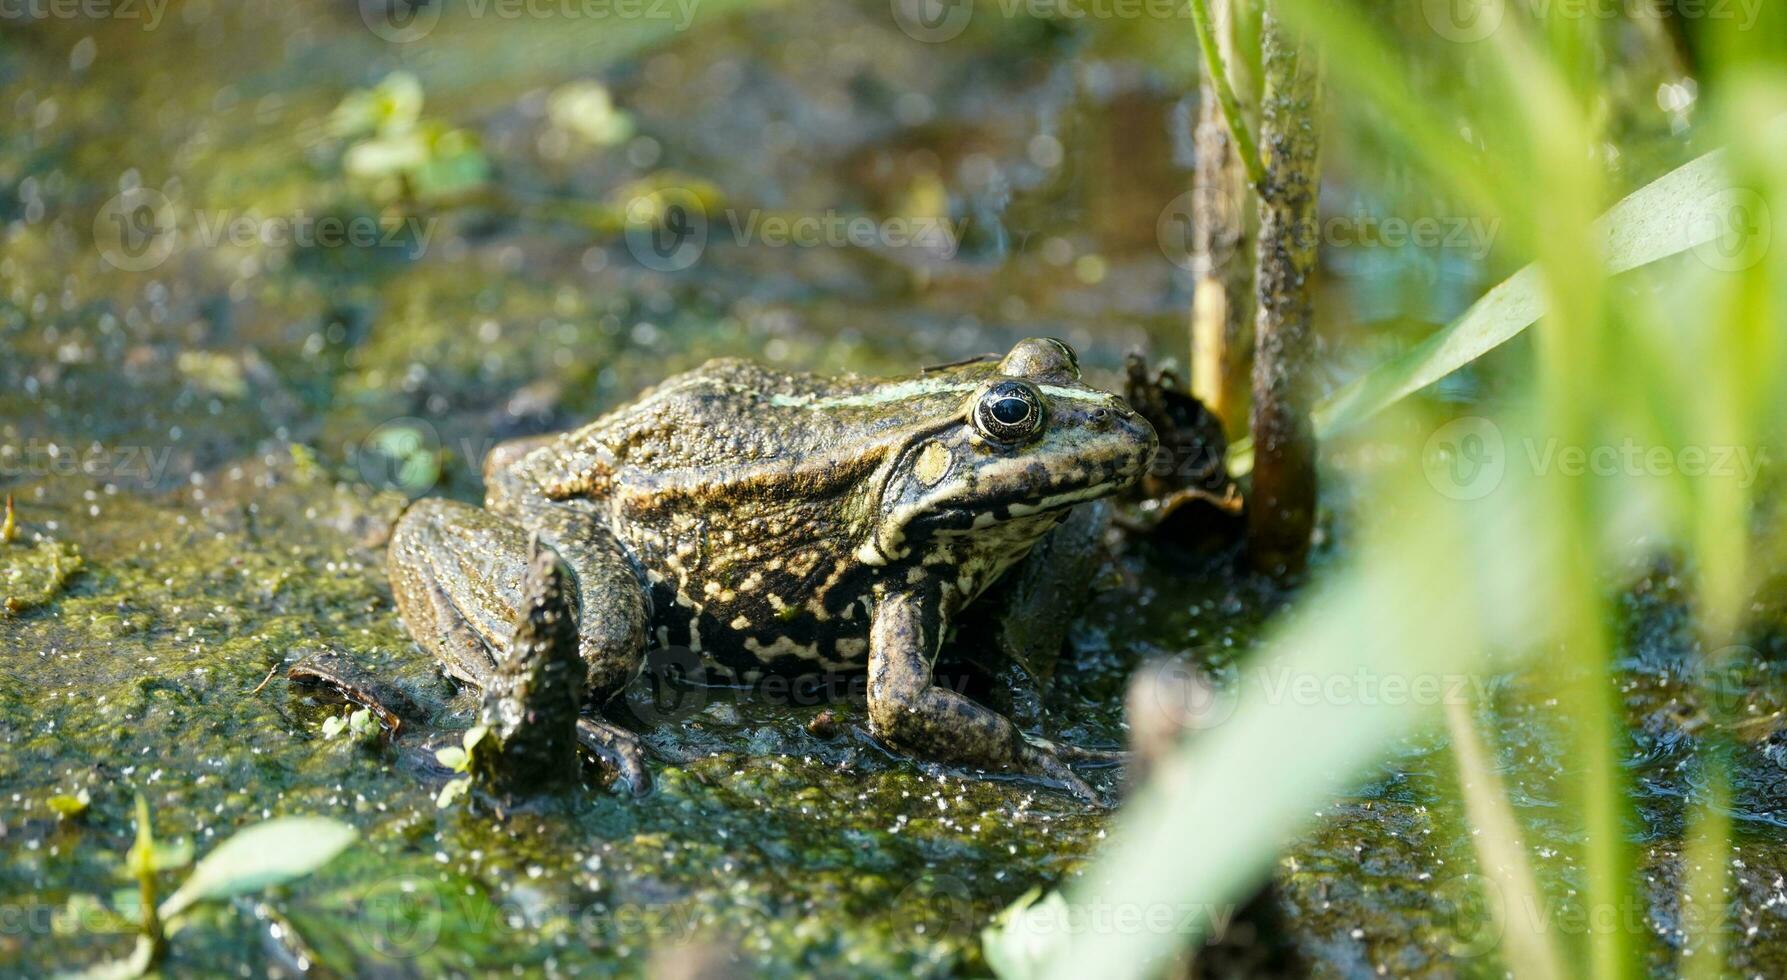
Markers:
point(782, 523)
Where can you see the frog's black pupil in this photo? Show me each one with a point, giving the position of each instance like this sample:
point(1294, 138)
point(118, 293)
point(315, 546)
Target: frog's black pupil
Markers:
point(1011, 411)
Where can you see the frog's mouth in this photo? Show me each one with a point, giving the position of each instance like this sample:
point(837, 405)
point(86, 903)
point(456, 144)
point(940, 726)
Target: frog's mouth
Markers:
point(985, 514)
point(1035, 514)
point(894, 538)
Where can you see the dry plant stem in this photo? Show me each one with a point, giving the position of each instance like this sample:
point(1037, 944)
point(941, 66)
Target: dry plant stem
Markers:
point(1281, 513)
point(1222, 250)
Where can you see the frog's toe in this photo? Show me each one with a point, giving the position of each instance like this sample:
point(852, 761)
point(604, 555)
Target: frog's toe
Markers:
point(619, 751)
point(1043, 762)
point(393, 707)
point(1093, 757)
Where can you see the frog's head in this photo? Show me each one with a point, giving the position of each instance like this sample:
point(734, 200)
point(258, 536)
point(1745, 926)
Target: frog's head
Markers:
point(1022, 441)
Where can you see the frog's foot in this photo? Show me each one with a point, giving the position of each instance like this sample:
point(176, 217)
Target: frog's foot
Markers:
point(1044, 762)
point(619, 751)
point(457, 573)
point(1088, 756)
point(353, 682)
point(908, 710)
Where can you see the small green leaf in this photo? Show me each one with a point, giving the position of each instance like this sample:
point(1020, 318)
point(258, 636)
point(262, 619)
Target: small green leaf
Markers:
point(334, 725)
point(70, 805)
point(453, 757)
point(474, 735)
point(362, 723)
point(451, 792)
point(263, 855)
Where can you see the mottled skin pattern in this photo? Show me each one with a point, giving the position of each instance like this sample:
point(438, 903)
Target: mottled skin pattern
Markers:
point(782, 523)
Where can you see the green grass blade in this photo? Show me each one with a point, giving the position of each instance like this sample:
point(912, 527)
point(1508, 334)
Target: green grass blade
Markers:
point(1681, 210)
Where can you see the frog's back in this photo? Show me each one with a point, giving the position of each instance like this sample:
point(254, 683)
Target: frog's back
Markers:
point(730, 419)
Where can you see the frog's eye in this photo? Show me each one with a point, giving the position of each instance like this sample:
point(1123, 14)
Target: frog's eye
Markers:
point(1010, 411)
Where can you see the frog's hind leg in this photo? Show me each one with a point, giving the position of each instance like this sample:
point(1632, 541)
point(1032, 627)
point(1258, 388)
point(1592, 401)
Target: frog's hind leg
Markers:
point(457, 573)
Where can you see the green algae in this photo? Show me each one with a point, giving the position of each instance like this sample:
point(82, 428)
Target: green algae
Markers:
point(33, 575)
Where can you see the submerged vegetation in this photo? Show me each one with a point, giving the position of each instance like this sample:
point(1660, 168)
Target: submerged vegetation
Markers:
point(273, 270)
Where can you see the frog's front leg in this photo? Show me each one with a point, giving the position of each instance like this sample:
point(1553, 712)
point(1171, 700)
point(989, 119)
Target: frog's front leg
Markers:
point(1018, 630)
point(909, 711)
point(457, 573)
